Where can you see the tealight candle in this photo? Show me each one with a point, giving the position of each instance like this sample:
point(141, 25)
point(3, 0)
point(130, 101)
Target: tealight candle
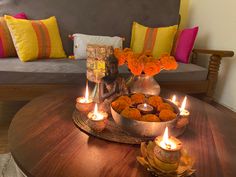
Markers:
point(183, 112)
point(168, 149)
point(97, 119)
point(145, 108)
point(84, 104)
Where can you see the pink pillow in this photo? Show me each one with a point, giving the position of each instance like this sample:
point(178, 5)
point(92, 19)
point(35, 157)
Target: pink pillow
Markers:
point(184, 44)
point(7, 48)
point(21, 15)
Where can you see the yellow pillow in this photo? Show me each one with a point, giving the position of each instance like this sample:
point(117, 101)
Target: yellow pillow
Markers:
point(156, 40)
point(35, 39)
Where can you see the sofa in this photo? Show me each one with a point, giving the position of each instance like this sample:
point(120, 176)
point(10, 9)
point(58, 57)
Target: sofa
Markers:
point(24, 81)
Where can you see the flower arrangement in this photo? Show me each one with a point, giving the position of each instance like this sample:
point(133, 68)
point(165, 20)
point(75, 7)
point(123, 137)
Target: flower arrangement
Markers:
point(139, 63)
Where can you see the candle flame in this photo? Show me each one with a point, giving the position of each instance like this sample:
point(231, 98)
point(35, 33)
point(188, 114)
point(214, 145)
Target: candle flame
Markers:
point(183, 104)
point(145, 105)
point(97, 114)
point(95, 109)
point(173, 99)
point(86, 92)
point(166, 136)
point(166, 142)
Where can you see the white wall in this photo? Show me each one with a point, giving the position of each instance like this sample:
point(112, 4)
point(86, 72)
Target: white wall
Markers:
point(217, 22)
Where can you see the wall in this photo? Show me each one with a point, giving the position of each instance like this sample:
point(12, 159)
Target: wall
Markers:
point(217, 22)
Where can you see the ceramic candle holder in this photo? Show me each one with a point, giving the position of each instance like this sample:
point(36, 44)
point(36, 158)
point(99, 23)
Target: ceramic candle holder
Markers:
point(168, 155)
point(184, 114)
point(97, 124)
point(84, 106)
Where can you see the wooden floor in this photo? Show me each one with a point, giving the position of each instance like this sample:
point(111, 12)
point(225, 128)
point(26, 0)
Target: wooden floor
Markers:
point(8, 110)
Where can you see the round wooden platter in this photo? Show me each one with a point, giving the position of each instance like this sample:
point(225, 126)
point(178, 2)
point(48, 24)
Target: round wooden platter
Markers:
point(112, 132)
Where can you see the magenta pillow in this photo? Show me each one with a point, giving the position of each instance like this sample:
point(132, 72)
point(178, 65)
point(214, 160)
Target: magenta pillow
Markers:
point(21, 15)
point(184, 44)
point(7, 48)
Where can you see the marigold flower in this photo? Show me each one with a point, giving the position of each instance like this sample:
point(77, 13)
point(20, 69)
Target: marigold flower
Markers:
point(167, 115)
point(125, 98)
point(168, 62)
point(155, 101)
point(137, 98)
point(150, 118)
point(131, 113)
point(120, 55)
point(119, 105)
point(152, 67)
point(135, 66)
point(163, 106)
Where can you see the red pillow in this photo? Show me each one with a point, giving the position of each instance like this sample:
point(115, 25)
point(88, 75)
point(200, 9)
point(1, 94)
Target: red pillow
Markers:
point(184, 44)
point(7, 48)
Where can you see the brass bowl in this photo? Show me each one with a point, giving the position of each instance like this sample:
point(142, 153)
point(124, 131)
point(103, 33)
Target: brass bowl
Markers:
point(146, 129)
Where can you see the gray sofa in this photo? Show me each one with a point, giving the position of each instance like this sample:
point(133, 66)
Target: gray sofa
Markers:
point(23, 81)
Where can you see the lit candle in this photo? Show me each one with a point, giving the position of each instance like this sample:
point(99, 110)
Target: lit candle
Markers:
point(167, 143)
point(84, 103)
point(174, 100)
point(183, 112)
point(145, 108)
point(167, 149)
point(97, 119)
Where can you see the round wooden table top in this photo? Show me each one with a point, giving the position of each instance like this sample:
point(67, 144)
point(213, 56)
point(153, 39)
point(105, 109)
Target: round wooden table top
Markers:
point(45, 142)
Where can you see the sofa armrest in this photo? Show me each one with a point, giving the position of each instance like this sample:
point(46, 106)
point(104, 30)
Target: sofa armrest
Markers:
point(221, 53)
point(213, 66)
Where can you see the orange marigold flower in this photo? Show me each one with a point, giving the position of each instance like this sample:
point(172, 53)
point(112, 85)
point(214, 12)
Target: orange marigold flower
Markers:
point(167, 115)
point(168, 62)
point(122, 55)
point(138, 98)
point(128, 50)
point(134, 64)
point(152, 67)
point(125, 98)
point(131, 113)
point(163, 106)
point(150, 118)
point(155, 101)
point(119, 105)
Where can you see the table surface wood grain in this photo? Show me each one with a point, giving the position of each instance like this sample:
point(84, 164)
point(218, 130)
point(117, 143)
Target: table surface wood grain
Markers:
point(45, 142)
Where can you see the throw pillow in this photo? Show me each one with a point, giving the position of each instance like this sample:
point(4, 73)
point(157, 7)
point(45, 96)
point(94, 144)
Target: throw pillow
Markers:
point(7, 48)
point(155, 40)
point(36, 39)
point(82, 40)
point(184, 44)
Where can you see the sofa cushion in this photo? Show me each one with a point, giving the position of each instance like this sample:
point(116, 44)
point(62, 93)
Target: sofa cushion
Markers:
point(13, 71)
point(81, 42)
point(36, 39)
point(156, 40)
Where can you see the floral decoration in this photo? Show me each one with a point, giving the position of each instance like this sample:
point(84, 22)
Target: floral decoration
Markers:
point(144, 63)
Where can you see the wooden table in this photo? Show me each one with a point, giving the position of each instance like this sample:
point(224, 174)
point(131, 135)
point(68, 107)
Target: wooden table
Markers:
point(44, 142)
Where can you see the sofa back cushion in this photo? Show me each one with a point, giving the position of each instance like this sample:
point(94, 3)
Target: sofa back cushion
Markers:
point(99, 17)
point(158, 41)
point(36, 39)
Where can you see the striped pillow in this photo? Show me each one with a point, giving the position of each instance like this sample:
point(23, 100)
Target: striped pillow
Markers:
point(155, 40)
point(36, 39)
point(7, 48)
